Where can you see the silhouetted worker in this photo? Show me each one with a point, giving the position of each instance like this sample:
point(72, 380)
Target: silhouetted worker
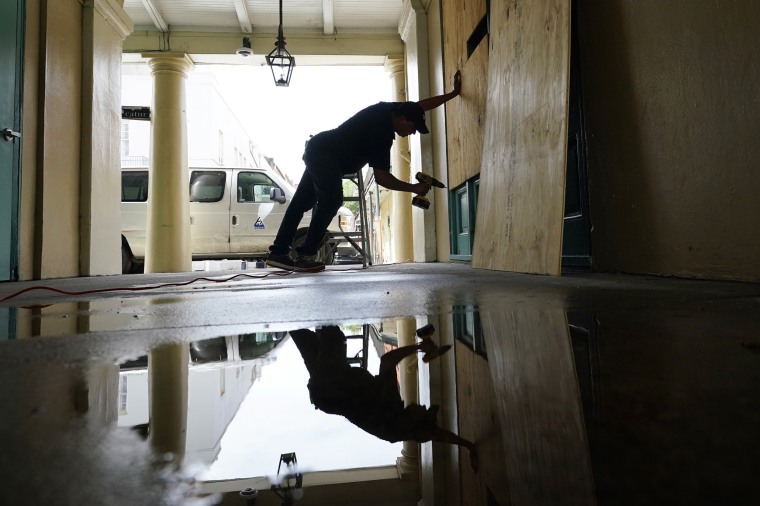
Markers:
point(365, 138)
point(372, 403)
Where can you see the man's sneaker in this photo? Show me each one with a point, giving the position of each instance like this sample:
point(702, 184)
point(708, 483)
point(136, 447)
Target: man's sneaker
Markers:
point(281, 262)
point(308, 263)
point(302, 264)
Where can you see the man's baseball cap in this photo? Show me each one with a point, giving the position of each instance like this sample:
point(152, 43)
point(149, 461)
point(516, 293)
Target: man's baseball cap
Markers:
point(415, 113)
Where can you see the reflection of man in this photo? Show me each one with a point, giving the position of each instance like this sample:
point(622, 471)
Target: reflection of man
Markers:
point(372, 403)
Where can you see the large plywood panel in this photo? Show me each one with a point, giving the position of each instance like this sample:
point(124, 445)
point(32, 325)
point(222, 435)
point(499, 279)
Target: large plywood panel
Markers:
point(465, 116)
point(522, 183)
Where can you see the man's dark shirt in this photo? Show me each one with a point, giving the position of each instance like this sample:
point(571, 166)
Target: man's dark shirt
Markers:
point(365, 138)
point(367, 401)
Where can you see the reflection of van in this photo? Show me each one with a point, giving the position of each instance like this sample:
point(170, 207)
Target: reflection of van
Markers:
point(234, 213)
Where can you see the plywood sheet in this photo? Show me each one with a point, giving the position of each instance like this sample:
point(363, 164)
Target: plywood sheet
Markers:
point(522, 178)
point(538, 405)
point(465, 116)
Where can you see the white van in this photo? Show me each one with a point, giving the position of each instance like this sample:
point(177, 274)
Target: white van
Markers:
point(234, 213)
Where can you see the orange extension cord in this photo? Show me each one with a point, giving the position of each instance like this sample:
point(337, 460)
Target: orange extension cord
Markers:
point(152, 287)
point(140, 288)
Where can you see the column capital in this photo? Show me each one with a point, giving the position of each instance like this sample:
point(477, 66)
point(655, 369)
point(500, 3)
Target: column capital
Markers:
point(171, 62)
point(394, 63)
point(115, 15)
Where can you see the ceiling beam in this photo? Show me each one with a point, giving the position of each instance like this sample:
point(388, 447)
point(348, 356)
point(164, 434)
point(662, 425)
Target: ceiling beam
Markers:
point(328, 17)
point(242, 14)
point(155, 14)
point(342, 48)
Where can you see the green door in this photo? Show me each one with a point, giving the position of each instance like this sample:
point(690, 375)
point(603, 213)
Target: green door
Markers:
point(11, 47)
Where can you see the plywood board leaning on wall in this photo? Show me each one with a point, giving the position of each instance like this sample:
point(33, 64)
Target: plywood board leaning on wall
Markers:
point(465, 116)
point(522, 178)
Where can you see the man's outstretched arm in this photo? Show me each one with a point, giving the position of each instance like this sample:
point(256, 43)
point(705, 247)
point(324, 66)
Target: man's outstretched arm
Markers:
point(444, 436)
point(387, 180)
point(433, 102)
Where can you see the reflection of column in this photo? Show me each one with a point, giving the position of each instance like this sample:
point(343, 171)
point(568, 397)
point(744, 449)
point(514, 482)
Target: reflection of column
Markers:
point(167, 246)
point(409, 462)
point(401, 211)
point(167, 376)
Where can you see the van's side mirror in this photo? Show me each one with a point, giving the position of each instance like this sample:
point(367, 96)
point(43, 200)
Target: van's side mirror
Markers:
point(277, 195)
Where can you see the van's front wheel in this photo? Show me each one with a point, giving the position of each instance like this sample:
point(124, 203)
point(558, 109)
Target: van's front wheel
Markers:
point(326, 252)
point(126, 259)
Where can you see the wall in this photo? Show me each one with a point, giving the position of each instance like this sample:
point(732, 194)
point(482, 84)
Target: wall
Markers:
point(671, 101)
point(55, 159)
point(69, 202)
point(104, 28)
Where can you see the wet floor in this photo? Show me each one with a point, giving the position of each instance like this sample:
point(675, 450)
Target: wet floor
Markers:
point(584, 389)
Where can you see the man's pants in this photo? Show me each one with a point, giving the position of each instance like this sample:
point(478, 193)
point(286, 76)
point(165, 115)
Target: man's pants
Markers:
point(320, 189)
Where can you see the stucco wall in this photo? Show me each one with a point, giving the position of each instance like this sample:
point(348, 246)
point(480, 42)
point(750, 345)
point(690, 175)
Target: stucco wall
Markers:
point(69, 205)
point(672, 114)
point(58, 156)
point(105, 27)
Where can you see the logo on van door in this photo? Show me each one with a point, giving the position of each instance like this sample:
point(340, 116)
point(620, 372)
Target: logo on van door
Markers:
point(259, 225)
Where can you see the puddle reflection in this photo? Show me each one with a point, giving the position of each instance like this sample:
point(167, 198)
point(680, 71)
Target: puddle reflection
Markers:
point(550, 398)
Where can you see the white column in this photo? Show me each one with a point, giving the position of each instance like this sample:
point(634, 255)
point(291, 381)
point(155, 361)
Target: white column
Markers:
point(401, 209)
point(413, 29)
point(167, 247)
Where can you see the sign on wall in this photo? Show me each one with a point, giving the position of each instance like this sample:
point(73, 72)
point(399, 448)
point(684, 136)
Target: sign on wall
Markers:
point(135, 112)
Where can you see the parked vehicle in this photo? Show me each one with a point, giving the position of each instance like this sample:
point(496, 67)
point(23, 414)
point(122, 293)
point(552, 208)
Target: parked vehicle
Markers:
point(234, 213)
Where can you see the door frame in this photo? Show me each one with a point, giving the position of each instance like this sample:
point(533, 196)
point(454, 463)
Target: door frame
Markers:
point(9, 258)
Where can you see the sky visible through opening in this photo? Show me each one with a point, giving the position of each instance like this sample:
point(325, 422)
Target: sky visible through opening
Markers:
point(280, 120)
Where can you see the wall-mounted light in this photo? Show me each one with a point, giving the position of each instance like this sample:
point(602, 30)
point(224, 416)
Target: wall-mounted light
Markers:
point(246, 50)
point(279, 60)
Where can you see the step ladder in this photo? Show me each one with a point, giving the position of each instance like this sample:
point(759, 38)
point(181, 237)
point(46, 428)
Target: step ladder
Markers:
point(358, 238)
point(360, 358)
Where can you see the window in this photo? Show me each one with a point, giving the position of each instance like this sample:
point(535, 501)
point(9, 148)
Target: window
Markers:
point(467, 328)
point(134, 186)
point(254, 187)
point(123, 393)
point(463, 208)
point(124, 139)
point(207, 185)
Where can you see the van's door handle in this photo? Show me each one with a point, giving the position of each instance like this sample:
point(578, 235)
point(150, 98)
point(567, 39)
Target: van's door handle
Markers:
point(234, 220)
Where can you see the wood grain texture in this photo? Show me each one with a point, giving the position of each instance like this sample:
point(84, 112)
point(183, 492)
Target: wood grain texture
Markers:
point(538, 404)
point(522, 185)
point(478, 422)
point(465, 116)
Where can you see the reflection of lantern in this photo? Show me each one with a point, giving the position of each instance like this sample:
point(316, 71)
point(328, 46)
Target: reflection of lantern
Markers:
point(279, 60)
point(289, 485)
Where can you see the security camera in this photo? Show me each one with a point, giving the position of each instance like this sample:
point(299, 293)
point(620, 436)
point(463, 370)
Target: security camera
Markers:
point(246, 50)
